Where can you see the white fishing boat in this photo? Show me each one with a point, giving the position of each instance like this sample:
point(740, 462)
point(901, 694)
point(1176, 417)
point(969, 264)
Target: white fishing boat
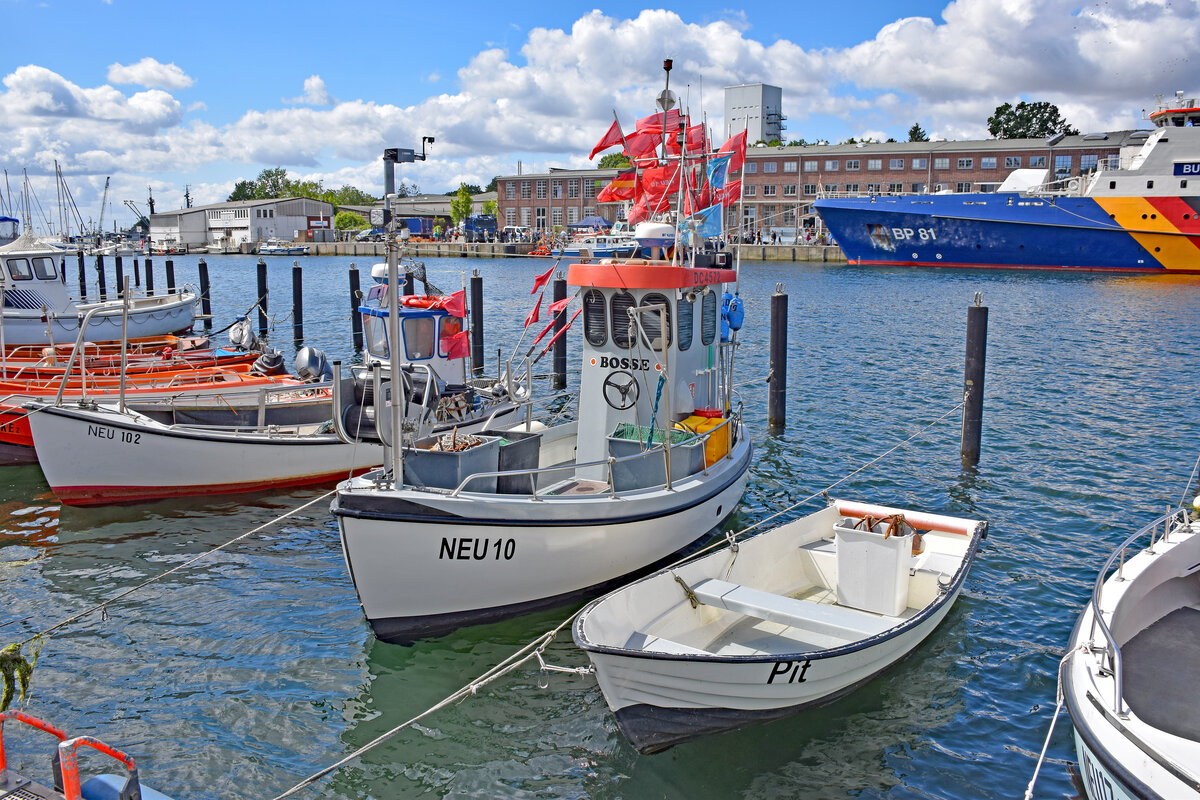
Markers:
point(534, 516)
point(278, 247)
point(38, 310)
point(599, 245)
point(789, 619)
point(1129, 682)
point(102, 455)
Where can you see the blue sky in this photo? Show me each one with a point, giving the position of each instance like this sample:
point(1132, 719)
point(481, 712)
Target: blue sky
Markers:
point(203, 94)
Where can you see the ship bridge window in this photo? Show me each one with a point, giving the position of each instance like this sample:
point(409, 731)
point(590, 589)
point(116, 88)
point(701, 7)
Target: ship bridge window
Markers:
point(18, 269)
point(375, 333)
point(685, 316)
point(652, 321)
point(622, 336)
point(43, 267)
point(418, 337)
point(595, 324)
point(708, 319)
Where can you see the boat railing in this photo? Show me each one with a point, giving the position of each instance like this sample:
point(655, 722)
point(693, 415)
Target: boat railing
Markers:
point(656, 450)
point(1169, 522)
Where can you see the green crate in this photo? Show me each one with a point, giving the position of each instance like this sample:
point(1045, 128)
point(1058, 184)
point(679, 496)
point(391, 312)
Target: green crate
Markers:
point(641, 433)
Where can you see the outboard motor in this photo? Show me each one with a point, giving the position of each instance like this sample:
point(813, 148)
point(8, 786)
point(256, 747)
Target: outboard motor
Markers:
point(312, 366)
point(269, 363)
point(241, 335)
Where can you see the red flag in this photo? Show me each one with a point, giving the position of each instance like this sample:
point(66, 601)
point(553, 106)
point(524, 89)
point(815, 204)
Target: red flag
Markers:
point(737, 147)
point(543, 279)
point(557, 306)
point(659, 183)
point(731, 193)
point(623, 187)
point(639, 211)
point(641, 144)
point(458, 345)
point(694, 138)
point(566, 327)
point(612, 137)
point(655, 121)
point(704, 198)
point(455, 304)
point(533, 317)
point(545, 330)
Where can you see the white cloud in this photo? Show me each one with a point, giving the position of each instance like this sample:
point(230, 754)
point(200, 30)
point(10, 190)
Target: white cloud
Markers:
point(315, 93)
point(151, 73)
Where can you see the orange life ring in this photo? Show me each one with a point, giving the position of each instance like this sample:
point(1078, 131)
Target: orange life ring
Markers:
point(419, 301)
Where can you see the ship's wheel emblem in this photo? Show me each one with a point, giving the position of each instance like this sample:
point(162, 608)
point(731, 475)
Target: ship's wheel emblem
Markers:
point(620, 390)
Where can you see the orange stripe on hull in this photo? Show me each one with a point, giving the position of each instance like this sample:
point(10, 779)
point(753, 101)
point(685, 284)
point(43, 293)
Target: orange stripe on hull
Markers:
point(1156, 224)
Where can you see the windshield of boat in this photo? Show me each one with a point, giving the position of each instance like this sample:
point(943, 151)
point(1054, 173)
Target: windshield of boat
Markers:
point(43, 267)
point(18, 269)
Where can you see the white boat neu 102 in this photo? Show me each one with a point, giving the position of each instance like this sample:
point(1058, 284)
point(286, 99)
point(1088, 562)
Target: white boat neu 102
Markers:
point(1131, 676)
point(792, 618)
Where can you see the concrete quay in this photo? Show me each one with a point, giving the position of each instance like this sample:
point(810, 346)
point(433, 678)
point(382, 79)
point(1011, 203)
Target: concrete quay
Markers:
point(751, 252)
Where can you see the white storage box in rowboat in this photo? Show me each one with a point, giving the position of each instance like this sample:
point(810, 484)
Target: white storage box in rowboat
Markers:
point(872, 567)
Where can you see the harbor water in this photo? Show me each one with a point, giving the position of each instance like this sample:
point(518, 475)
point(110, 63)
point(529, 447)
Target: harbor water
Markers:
point(243, 674)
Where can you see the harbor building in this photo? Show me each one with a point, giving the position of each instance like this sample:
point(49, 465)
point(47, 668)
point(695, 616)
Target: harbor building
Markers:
point(244, 222)
point(427, 206)
point(756, 108)
point(554, 199)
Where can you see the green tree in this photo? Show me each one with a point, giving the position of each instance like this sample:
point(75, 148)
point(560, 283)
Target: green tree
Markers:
point(917, 134)
point(490, 207)
point(272, 182)
point(473, 188)
point(613, 161)
point(1028, 121)
point(242, 190)
point(462, 204)
point(406, 189)
point(348, 221)
point(493, 186)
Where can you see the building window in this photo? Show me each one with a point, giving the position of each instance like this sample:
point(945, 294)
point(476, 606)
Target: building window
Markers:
point(896, 163)
point(810, 188)
point(962, 186)
point(851, 163)
point(966, 163)
point(770, 167)
point(769, 190)
point(941, 163)
point(831, 188)
point(1012, 162)
point(540, 216)
point(510, 216)
point(1037, 161)
point(510, 190)
point(525, 217)
point(589, 188)
point(556, 217)
point(1062, 166)
point(573, 188)
point(810, 166)
point(749, 190)
point(556, 190)
point(750, 169)
point(572, 215)
point(1088, 163)
point(790, 166)
point(589, 211)
point(987, 162)
point(789, 190)
point(524, 190)
point(920, 163)
point(872, 188)
point(541, 190)
point(918, 188)
point(852, 188)
point(831, 165)
point(896, 188)
point(874, 164)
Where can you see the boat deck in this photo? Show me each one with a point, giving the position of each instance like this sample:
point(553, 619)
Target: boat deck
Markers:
point(1161, 670)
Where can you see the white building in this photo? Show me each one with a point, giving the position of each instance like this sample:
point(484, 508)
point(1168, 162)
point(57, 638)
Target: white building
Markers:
point(244, 222)
point(756, 108)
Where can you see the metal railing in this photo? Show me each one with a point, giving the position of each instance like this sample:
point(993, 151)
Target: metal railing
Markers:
point(1170, 522)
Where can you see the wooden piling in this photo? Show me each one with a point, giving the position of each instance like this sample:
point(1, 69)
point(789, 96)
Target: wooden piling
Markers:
point(976, 362)
point(170, 275)
point(560, 345)
point(297, 302)
point(205, 299)
point(777, 383)
point(137, 274)
point(149, 276)
point(355, 317)
point(409, 284)
point(100, 280)
point(82, 275)
point(476, 322)
point(262, 297)
point(120, 267)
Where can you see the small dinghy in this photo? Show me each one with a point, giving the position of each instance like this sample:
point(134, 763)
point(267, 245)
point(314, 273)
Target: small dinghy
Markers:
point(789, 619)
point(1129, 682)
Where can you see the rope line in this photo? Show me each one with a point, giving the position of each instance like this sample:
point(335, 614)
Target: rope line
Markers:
point(1053, 720)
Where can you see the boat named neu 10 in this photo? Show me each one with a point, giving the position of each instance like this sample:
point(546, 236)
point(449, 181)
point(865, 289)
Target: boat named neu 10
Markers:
point(1139, 215)
point(531, 516)
point(1129, 682)
point(789, 619)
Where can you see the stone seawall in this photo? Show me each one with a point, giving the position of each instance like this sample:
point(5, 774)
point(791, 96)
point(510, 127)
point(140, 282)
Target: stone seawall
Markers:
point(751, 252)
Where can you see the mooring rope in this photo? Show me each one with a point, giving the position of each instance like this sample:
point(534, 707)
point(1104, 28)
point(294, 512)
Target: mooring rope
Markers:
point(535, 648)
point(1054, 719)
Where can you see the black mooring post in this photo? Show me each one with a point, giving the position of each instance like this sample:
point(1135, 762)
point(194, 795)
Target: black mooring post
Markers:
point(82, 275)
point(120, 275)
point(560, 344)
point(976, 362)
point(262, 297)
point(100, 280)
point(410, 285)
point(355, 317)
point(149, 276)
point(137, 274)
point(777, 385)
point(297, 302)
point(205, 297)
point(476, 322)
point(170, 276)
